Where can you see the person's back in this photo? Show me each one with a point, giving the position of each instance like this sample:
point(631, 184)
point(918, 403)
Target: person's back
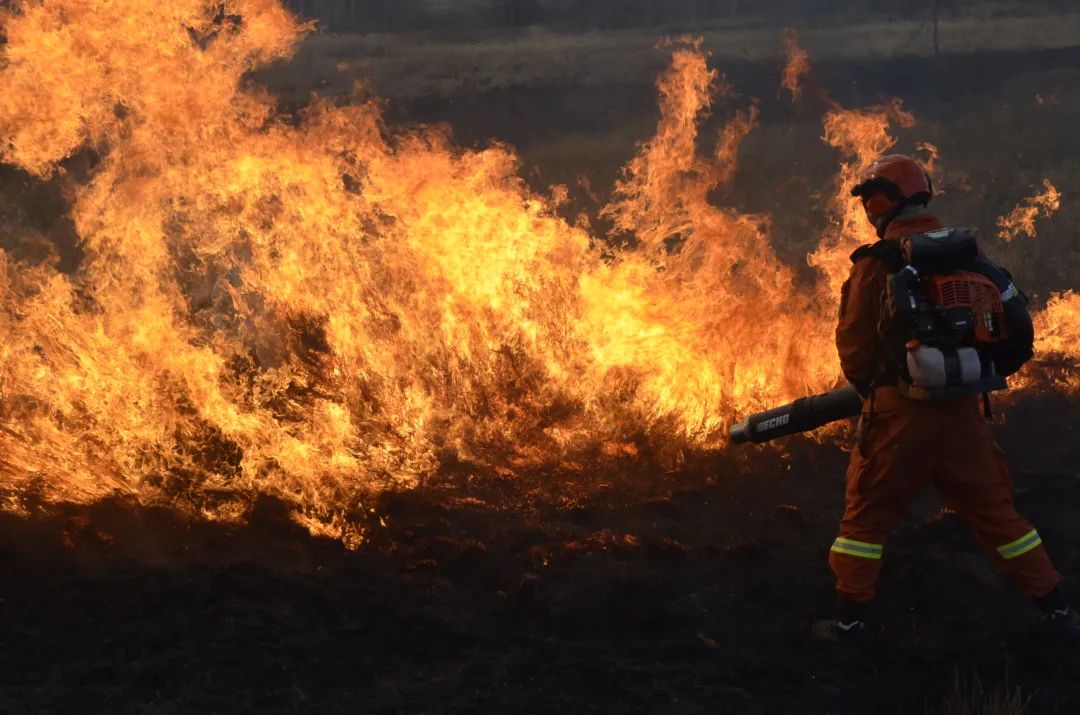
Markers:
point(905, 442)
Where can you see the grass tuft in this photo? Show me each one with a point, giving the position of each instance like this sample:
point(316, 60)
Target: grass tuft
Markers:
point(971, 697)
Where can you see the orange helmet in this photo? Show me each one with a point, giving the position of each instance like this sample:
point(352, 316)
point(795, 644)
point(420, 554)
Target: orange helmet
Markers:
point(891, 184)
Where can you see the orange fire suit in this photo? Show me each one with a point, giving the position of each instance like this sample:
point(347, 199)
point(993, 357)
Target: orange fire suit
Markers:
point(904, 443)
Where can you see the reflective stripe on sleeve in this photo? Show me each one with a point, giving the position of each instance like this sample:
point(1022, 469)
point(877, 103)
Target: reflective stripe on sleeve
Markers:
point(1021, 546)
point(1010, 293)
point(860, 549)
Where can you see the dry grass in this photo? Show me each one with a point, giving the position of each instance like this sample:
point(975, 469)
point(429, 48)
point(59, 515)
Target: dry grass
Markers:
point(411, 66)
point(972, 698)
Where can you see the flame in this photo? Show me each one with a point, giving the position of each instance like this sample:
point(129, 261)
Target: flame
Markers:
point(796, 67)
point(1057, 327)
point(319, 307)
point(700, 316)
point(861, 136)
point(1021, 220)
point(1057, 355)
point(929, 157)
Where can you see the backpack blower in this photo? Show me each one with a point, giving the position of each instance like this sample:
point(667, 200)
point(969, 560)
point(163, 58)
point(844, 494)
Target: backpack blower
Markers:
point(953, 324)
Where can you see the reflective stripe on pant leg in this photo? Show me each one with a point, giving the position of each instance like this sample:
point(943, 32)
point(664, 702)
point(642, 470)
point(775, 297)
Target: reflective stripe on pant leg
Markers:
point(1027, 542)
point(860, 549)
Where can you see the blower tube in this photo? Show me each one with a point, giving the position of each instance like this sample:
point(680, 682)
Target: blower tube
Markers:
point(803, 415)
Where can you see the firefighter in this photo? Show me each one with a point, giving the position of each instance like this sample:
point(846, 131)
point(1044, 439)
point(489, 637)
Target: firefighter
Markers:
point(903, 442)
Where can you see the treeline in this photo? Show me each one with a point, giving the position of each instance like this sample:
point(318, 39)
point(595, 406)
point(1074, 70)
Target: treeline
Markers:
point(571, 15)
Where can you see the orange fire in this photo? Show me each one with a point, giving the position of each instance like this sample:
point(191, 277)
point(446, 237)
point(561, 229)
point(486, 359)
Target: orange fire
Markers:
point(861, 136)
point(692, 296)
point(1058, 327)
point(796, 67)
point(320, 307)
point(1021, 220)
point(1057, 347)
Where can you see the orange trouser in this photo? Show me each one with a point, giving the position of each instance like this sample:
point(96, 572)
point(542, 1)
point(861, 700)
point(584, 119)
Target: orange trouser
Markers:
point(903, 443)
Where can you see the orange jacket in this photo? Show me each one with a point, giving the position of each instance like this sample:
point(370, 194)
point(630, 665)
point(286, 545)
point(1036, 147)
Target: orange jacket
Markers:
point(860, 307)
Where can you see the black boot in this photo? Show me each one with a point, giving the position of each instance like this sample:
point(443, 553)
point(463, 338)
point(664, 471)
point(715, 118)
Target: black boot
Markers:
point(848, 624)
point(1057, 615)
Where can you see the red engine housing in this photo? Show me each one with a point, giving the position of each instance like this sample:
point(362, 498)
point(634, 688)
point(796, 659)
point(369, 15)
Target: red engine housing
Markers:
point(976, 292)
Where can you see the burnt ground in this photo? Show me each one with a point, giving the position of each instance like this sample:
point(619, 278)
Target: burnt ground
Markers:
point(697, 602)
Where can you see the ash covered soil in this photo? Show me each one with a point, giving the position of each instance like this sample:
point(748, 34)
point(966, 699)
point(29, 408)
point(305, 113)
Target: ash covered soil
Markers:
point(697, 601)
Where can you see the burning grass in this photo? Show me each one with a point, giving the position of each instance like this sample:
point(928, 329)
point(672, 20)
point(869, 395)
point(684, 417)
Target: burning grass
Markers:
point(1021, 220)
point(320, 307)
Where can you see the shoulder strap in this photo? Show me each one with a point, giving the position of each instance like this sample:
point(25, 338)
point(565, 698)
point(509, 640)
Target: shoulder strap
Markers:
point(884, 250)
point(1001, 278)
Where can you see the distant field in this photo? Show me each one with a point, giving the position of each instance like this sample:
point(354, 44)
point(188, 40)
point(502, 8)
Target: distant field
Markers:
point(1000, 104)
point(412, 66)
